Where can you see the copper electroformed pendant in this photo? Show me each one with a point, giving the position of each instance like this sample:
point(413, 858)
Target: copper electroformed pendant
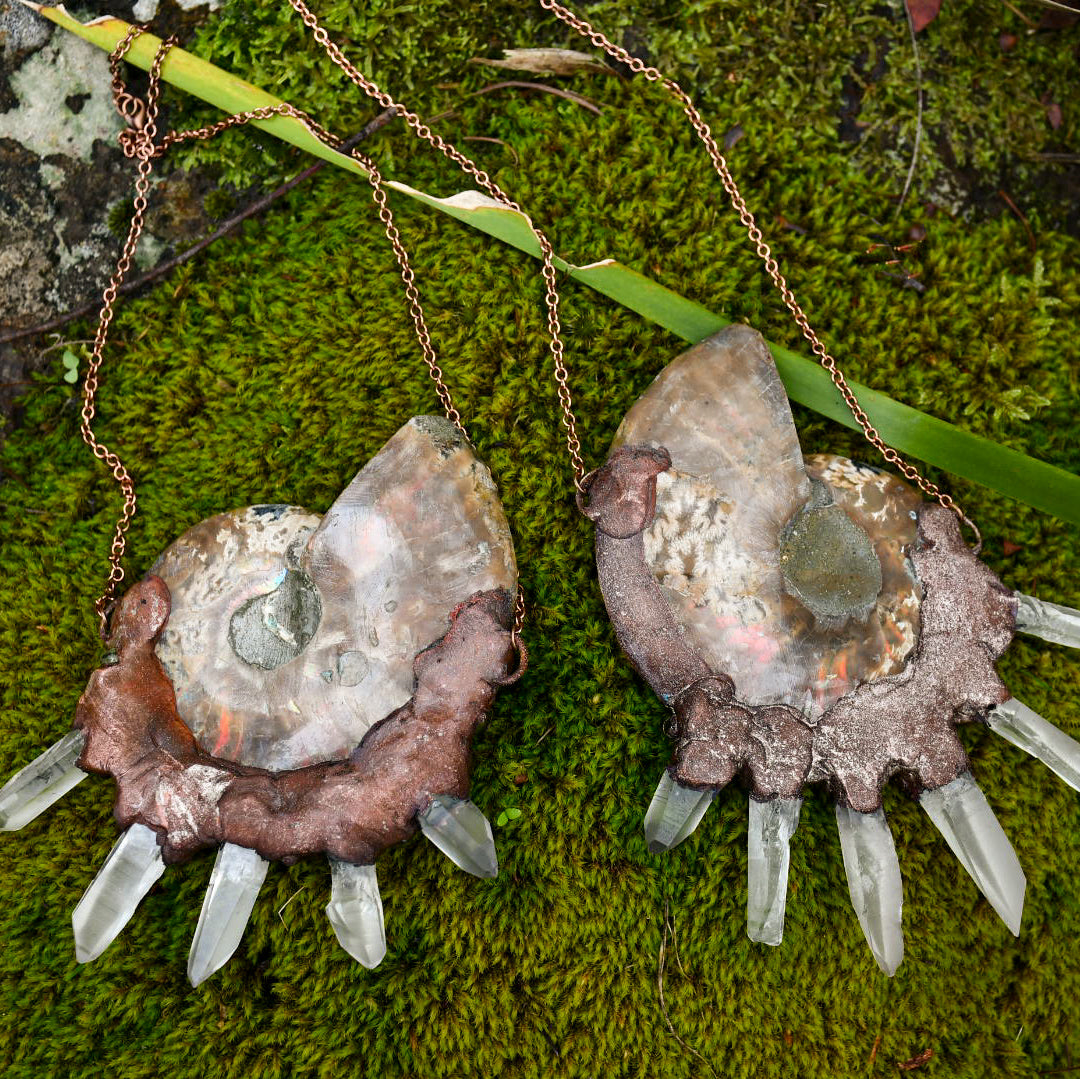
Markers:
point(287, 685)
point(808, 621)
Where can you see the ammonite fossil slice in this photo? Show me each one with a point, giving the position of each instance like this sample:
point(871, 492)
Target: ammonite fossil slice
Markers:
point(286, 684)
point(807, 620)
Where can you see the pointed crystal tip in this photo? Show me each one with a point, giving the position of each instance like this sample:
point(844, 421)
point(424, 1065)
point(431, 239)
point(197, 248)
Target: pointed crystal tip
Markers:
point(462, 833)
point(1051, 621)
point(964, 817)
point(129, 872)
point(230, 896)
point(874, 884)
point(1026, 729)
point(355, 912)
point(45, 780)
point(771, 827)
point(673, 814)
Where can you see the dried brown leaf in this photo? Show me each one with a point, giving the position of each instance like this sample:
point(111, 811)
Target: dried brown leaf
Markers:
point(546, 62)
point(917, 1061)
point(923, 12)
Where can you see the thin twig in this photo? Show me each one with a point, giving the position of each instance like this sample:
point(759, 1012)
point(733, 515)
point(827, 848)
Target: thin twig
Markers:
point(918, 111)
point(569, 95)
point(1060, 7)
point(873, 1051)
point(498, 142)
point(166, 267)
point(1069, 159)
point(669, 925)
point(916, 1061)
point(1020, 15)
point(1023, 220)
point(288, 901)
point(675, 945)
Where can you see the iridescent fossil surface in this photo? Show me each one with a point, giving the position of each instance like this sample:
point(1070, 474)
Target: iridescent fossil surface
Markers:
point(291, 634)
point(789, 575)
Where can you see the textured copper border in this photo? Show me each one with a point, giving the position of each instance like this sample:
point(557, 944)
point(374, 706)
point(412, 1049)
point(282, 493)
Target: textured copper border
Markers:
point(350, 809)
point(902, 725)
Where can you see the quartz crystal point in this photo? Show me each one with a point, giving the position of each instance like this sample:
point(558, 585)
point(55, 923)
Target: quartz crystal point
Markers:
point(874, 884)
point(129, 872)
point(234, 885)
point(772, 825)
point(462, 833)
point(1025, 728)
point(673, 814)
point(1051, 621)
point(291, 634)
point(964, 817)
point(355, 911)
point(43, 781)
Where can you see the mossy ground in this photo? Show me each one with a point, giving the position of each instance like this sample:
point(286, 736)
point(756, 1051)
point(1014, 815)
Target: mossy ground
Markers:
point(272, 368)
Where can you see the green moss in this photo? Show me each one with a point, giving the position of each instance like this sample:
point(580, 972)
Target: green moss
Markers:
point(120, 217)
point(276, 364)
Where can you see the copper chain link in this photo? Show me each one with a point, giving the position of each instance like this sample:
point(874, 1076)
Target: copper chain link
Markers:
point(470, 168)
point(138, 141)
point(764, 252)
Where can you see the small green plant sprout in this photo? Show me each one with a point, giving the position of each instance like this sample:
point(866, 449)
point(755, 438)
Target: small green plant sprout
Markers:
point(71, 366)
point(506, 816)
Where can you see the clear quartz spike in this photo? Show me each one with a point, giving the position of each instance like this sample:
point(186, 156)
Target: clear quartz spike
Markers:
point(1051, 621)
point(1025, 728)
point(772, 825)
point(673, 814)
point(131, 869)
point(964, 817)
point(234, 886)
point(355, 911)
point(43, 781)
point(462, 833)
point(874, 884)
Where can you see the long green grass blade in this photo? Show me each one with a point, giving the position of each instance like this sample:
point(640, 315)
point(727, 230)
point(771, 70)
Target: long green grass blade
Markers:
point(911, 432)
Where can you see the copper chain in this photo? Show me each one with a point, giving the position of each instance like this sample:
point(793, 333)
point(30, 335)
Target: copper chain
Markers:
point(470, 168)
point(139, 142)
point(764, 252)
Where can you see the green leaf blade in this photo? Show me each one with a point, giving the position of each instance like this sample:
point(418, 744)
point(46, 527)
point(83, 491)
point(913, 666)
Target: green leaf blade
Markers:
point(911, 432)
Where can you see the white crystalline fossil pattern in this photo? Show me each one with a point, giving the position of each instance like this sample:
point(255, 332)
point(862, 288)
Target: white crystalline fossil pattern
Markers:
point(290, 635)
point(738, 479)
